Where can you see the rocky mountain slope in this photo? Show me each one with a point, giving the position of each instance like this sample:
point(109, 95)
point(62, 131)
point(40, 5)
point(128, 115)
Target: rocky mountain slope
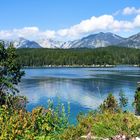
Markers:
point(92, 41)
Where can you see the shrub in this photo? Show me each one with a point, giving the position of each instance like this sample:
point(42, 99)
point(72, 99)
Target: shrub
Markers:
point(104, 125)
point(106, 122)
point(123, 100)
point(110, 104)
point(38, 124)
point(137, 101)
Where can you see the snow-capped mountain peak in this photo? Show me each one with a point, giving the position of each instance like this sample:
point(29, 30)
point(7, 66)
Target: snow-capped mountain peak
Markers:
point(91, 41)
point(49, 43)
point(24, 43)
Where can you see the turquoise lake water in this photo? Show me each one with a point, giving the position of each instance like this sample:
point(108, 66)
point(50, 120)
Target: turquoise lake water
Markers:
point(84, 88)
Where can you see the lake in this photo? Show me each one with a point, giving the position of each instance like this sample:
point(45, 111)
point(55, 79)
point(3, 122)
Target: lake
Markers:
point(84, 88)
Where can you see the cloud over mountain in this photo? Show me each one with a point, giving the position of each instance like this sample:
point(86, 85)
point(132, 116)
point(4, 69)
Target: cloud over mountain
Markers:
point(94, 24)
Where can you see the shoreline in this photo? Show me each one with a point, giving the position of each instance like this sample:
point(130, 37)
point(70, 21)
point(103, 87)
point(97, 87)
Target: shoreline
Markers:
point(78, 66)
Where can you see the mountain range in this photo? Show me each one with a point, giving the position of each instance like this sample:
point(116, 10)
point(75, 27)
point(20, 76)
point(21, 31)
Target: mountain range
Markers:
point(92, 41)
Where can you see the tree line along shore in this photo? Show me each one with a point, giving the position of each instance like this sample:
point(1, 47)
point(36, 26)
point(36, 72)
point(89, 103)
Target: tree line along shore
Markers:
point(99, 57)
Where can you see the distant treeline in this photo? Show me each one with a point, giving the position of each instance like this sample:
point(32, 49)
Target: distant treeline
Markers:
point(111, 55)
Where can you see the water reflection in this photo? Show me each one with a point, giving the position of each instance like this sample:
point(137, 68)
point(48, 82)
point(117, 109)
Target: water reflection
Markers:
point(66, 89)
point(84, 88)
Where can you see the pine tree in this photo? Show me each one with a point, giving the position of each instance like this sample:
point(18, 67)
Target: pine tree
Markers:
point(10, 74)
point(110, 104)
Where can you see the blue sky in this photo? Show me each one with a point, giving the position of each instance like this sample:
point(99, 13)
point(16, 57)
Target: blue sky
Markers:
point(59, 17)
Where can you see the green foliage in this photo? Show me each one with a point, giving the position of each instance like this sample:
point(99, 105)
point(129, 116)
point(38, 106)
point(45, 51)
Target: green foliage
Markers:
point(40, 124)
point(123, 100)
point(137, 101)
point(108, 122)
point(10, 74)
point(100, 56)
point(52, 123)
point(59, 110)
point(110, 104)
point(104, 125)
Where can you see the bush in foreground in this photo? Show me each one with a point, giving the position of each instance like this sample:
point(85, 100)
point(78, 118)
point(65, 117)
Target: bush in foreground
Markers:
point(52, 123)
point(104, 125)
point(39, 124)
point(108, 121)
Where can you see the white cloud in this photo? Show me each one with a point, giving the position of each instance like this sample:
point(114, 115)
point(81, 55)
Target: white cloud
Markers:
point(101, 23)
point(137, 21)
point(48, 34)
point(94, 24)
point(86, 26)
point(5, 34)
point(130, 11)
point(23, 32)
